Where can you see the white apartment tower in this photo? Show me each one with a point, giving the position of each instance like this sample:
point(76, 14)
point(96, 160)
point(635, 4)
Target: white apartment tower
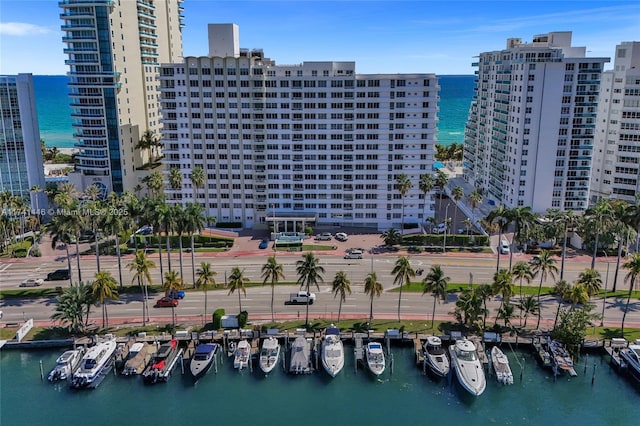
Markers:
point(114, 49)
point(313, 141)
point(530, 132)
point(21, 166)
point(616, 170)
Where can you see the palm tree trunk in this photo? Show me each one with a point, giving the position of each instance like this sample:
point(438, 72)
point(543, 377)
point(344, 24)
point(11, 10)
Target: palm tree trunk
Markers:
point(626, 308)
point(118, 254)
point(168, 251)
point(564, 251)
point(539, 306)
point(180, 254)
point(193, 264)
point(78, 258)
point(339, 309)
point(95, 239)
point(272, 296)
point(615, 276)
point(106, 315)
point(499, 240)
point(144, 316)
point(239, 301)
point(555, 321)
point(433, 314)
point(66, 247)
point(306, 321)
point(371, 309)
point(595, 253)
point(399, 300)
point(160, 254)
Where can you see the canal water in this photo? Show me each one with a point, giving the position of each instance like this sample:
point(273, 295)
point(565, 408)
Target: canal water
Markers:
point(355, 398)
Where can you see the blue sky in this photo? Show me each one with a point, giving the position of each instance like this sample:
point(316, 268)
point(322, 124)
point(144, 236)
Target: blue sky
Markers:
point(381, 36)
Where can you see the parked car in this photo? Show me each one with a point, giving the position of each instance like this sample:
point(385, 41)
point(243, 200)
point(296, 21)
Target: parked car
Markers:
point(325, 236)
point(440, 228)
point(176, 294)
point(353, 254)
point(341, 236)
point(32, 282)
point(58, 275)
point(504, 247)
point(166, 302)
point(145, 230)
point(263, 244)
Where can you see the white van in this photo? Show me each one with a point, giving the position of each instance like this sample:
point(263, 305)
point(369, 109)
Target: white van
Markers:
point(354, 254)
point(504, 247)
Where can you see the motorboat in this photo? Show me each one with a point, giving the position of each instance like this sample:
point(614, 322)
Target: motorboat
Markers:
point(242, 354)
point(66, 365)
point(435, 356)
point(269, 354)
point(501, 366)
point(375, 357)
point(466, 363)
point(96, 363)
point(332, 352)
point(300, 356)
point(164, 360)
point(631, 358)
point(140, 354)
point(203, 359)
point(561, 360)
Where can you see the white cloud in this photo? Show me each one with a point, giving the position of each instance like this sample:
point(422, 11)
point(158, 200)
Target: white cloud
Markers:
point(21, 29)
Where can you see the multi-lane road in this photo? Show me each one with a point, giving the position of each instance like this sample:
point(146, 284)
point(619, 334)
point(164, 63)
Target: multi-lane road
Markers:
point(257, 302)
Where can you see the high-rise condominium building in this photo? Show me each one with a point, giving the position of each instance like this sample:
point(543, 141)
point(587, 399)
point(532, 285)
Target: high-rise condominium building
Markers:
point(616, 170)
point(21, 166)
point(530, 132)
point(114, 49)
point(314, 142)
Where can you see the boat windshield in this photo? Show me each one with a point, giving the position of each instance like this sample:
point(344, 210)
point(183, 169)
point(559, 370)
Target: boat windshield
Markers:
point(466, 355)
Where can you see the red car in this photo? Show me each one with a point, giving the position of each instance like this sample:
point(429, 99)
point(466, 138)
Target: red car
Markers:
point(166, 302)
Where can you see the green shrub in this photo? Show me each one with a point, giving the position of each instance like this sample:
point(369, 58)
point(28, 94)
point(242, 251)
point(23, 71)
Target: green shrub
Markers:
point(243, 317)
point(217, 318)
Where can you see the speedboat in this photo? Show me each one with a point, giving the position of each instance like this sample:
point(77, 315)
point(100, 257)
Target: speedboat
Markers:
point(501, 366)
point(163, 363)
point(242, 353)
point(203, 359)
point(561, 360)
point(139, 356)
point(375, 357)
point(332, 352)
point(435, 356)
point(269, 354)
point(66, 364)
point(631, 357)
point(95, 365)
point(465, 361)
point(300, 356)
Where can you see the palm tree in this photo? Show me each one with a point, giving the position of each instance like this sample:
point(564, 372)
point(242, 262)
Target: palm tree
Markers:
point(61, 233)
point(484, 292)
point(341, 286)
point(166, 217)
point(206, 278)
point(505, 312)
point(403, 272)
point(633, 265)
point(194, 222)
point(309, 272)
point(272, 271)
point(435, 283)
point(154, 183)
point(391, 237)
point(142, 268)
point(403, 185)
point(503, 285)
point(112, 223)
point(567, 220)
point(543, 265)
point(591, 281)
point(179, 226)
point(151, 208)
point(104, 289)
point(373, 288)
point(72, 306)
point(500, 217)
point(598, 220)
point(426, 184)
point(475, 198)
point(147, 142)
point(522, 219)
point(172, 284)
point(577, 295)
point(197, 180)
point(92, 193)
point(457, 194)
point(469, 306)
point(175, 178)
point(620, 229)
point(521, 271)
point(529, 306)
point(236, 282)
point(468, 224)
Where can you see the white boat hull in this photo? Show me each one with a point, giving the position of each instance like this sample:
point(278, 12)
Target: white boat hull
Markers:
point(467, 366)
point(66, 365)
point(375, 358)
point(269, 355)
point(501, 366)
point(95, 365)
point(332, 355)
point(241, 355)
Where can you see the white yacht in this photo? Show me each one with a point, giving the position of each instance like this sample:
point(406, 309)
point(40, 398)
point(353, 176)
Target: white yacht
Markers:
point(332, 352)
point(631, 357)
point(375, 357)
point(269, 354)
point(203, 359)
point(465, 361)
point(95, 365)
point(242, 354)
point(435, 356)
point(66, 364)
point(501, 366)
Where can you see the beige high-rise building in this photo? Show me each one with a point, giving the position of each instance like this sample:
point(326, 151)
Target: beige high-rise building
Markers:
point(114, 50)
point(616, 160)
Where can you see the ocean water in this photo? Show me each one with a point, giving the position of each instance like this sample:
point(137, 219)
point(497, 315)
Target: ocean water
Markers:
point(54, 113)
point(353, 398)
